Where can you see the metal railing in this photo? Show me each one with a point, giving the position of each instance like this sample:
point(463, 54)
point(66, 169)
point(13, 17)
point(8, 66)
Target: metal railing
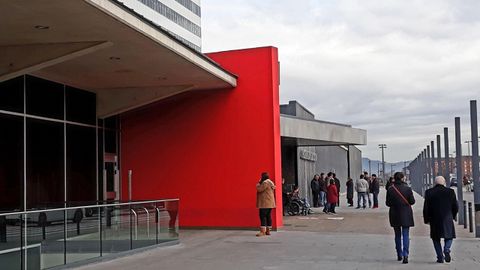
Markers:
point(42, 239)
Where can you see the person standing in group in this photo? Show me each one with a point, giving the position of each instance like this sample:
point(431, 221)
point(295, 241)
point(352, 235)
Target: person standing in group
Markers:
point(326, 208)
point(323, 189)
point(332, 196)
point(350, 192)
point(389, 182)
point(439, 210)
point(400, 200)
point(369, 189)
point(265, 203)
point(337, 184)
point(315, 186)
point(361, 186)
point(375, 189)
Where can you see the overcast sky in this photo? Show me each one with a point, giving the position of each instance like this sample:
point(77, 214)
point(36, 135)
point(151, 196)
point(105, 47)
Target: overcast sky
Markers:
point(401, 69)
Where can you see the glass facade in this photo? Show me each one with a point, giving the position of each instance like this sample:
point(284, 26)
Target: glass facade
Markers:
point(55, 153)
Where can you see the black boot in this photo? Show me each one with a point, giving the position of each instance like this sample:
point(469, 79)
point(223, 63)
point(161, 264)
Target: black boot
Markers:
point(405, 260)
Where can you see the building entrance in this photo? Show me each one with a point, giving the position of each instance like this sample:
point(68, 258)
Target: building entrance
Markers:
point(111, 186)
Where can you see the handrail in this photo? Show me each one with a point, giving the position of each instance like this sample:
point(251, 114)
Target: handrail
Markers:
point(85, 206)
point(148, 221)
point(136, 223)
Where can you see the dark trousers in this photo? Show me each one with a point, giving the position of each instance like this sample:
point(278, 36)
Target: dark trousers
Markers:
point(332, 208)
point(350, 200)
point(265, 217)
point(375, 199)
point(316, 198)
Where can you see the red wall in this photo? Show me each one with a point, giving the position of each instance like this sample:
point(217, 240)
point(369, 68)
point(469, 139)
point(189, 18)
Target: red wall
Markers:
point(208, 148)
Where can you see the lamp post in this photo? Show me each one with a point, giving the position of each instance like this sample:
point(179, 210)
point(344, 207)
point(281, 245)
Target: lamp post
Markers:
point(383, 146)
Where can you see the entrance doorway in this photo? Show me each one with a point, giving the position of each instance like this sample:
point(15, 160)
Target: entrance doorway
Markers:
point(111, 185)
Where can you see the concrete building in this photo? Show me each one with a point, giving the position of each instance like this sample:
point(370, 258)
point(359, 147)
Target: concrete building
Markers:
point(181, 18)
point(311, 146)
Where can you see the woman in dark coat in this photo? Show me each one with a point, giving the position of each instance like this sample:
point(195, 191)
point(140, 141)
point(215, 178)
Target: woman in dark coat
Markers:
point(350, 192)
point(400, 200)
point(439, 210)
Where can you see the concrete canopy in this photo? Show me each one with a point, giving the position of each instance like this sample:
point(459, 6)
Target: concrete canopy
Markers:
point(101, 46)
point(309, 132)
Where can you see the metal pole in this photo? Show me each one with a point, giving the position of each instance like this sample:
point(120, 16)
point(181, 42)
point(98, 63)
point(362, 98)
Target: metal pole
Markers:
point(369, 167)
point(447, 156)
point(439, 156)
point(459, 165)
point(429, 165)
point(464, 211)
point(130, 185)
point(470, 218)
point(434, 171)
point(383, 146)
point(475, 166)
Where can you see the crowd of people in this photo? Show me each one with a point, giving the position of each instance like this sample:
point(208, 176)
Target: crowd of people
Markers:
point(326, 192)
point(439, 210)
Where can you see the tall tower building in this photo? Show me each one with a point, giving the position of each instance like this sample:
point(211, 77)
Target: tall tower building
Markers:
point(181, 18)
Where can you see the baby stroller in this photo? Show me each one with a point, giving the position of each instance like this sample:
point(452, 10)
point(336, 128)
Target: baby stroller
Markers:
point(296, 206)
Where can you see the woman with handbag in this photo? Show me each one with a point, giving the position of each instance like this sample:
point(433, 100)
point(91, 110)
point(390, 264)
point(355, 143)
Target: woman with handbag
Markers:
point(400, 200)
point(265, 203)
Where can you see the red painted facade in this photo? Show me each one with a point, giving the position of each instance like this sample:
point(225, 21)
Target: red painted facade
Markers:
point(209, 148)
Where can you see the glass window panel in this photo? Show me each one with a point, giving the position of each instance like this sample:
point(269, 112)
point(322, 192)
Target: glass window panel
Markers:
point(80, 105)
point(11, 95)
point(11, 243)
point(83, 235)
point(81, 164)
point(11, 163)
point(45, 164)
point(44, 98)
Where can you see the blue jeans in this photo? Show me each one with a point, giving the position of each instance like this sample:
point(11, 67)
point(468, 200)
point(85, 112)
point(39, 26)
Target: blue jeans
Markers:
point(361, 196)
point(402, 233)
point(323, 196)
point(369, 199)
point(438, 247)
point(375, 199)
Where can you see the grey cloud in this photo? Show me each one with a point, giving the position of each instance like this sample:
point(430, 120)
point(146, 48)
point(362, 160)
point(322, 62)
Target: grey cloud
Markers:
point(400, 69)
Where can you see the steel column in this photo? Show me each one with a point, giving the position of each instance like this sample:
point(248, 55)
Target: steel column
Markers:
point(459, 166)
point(475, 166)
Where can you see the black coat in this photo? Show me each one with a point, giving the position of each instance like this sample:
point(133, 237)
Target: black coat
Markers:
point(337, 184)
point(315, 185)
point(350, 189)
point(439, 210)
point(400, 214)
point(375, 186)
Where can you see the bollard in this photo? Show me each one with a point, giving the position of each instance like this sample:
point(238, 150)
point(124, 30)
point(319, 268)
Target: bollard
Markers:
point(464, 211)
point(470, 218)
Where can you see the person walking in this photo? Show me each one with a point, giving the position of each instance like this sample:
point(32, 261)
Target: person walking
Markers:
point(361, 187)
point(375, 190)
point(332, 196)
point(315, 186)
point(400, 200)
point(350, 192)
point(265, 203)
point(323, 189)
point(337, 184)
point(439, 210)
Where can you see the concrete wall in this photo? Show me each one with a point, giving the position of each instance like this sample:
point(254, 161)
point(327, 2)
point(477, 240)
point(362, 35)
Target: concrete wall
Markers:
point(355, 162)
point(294, 108)
point(329, 159)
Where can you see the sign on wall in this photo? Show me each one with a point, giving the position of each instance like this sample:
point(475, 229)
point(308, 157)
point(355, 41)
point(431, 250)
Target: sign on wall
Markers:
point(308, 155)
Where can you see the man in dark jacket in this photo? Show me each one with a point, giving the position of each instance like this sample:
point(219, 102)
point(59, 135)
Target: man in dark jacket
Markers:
point(439, 210)
point(337, 184)
point(323, 189)
point(400, 199)
point(350, 192)
point(375, 189)
point(315, 185)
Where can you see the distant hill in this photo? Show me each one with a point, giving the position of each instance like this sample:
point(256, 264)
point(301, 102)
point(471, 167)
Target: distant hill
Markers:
point(376, 164)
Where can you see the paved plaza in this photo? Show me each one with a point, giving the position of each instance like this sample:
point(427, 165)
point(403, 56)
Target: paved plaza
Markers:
point(353, 239)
